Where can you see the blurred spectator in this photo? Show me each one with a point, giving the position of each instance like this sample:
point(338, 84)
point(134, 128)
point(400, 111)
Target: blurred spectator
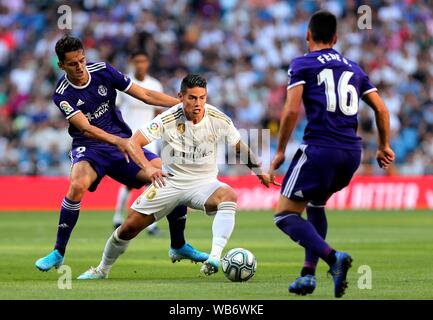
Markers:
point(243, 47)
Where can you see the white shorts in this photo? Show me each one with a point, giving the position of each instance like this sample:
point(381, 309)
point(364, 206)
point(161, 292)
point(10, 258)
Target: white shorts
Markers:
point(161, 201)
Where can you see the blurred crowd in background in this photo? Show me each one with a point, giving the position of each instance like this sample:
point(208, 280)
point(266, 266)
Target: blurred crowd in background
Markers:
point(242, 47)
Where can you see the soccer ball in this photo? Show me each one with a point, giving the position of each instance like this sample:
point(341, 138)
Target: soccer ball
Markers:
point(239, 265)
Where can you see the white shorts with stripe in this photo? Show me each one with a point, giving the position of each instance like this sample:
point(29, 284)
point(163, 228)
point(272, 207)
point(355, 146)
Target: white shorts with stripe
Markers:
point(161, 201)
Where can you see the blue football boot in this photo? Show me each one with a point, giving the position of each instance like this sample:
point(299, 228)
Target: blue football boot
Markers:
point(303, 285)
point(187, 252)
point(339, 272)
point(54, 259)
point(210, 266)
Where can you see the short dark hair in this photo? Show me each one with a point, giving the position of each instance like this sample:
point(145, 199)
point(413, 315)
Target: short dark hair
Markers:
point(323, 26)
point(139, 52)
point(66, 44)
point(192, 81)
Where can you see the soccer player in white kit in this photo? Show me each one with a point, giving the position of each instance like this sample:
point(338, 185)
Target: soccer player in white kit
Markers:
point(135, 113)
point(189, 132)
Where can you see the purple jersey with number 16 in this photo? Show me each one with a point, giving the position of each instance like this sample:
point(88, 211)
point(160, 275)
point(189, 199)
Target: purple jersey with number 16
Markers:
point(332, 88)
point(331, 150)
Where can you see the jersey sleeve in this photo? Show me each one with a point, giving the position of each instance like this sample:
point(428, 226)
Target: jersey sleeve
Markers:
point(152, 130)
point(225, 129)
point(66, 106)
point(295, 74)
point(365, 84)
point(118, 79)
point(232, 134)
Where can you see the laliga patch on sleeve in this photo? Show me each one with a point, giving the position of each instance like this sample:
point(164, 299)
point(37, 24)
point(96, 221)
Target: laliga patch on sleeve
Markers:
point(66, 107)
point(153, 127)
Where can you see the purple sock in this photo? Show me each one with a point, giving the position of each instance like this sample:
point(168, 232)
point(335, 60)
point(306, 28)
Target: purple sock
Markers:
point(176, 223)
point(302, 232)
point(68, 218)
point(317, 217)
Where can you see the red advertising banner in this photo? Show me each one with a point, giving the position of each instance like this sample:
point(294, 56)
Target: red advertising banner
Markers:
point(388, 193)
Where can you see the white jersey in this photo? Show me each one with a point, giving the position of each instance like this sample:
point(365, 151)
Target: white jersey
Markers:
point(189, 151)
point(135, 112)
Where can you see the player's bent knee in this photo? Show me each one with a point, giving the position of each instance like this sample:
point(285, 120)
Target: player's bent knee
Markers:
point(222, 194)
point(77, 189)
point(228, 207)
point(229, 196)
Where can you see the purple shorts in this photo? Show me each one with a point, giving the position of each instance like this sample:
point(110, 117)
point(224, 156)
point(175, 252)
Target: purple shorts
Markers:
point(316, 172)
point(111, 162)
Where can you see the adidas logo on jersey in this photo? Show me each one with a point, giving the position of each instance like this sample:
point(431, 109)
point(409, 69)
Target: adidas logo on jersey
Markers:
point(80, 102)
point(299, 194)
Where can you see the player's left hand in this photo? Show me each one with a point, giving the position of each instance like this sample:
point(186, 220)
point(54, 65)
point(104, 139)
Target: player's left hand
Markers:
point(385, 156)
point(156, 176)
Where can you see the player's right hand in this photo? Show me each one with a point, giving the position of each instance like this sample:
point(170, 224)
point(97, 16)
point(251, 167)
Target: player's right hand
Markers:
point(123, 145)
point(266, 180)
point(385, 156)
point(275, 164)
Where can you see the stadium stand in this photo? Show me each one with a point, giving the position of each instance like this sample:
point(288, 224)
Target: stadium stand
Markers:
point(243, 48)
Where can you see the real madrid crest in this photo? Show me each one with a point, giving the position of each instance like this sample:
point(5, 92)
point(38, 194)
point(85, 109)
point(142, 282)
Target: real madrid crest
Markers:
point(102, 90)
point(181, 128)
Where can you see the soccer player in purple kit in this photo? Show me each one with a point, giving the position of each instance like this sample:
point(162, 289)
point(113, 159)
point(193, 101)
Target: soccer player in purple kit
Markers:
point(86, 96)
point(329, 85)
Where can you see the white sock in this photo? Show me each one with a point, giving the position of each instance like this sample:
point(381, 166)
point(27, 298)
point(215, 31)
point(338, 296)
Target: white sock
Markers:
point(113, 249)
point(153, 226)
point(122, 198)
point(222, 227)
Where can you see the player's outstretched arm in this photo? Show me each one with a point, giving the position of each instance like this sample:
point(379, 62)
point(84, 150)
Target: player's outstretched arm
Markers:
point(135, 145)
point(289, 118)
point(137, 142)
point(385, 155)
point(250, 160)
point(80, 121)
point(151, 97)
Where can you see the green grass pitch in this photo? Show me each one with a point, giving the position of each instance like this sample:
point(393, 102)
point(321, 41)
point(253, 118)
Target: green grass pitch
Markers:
point(397, 246)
